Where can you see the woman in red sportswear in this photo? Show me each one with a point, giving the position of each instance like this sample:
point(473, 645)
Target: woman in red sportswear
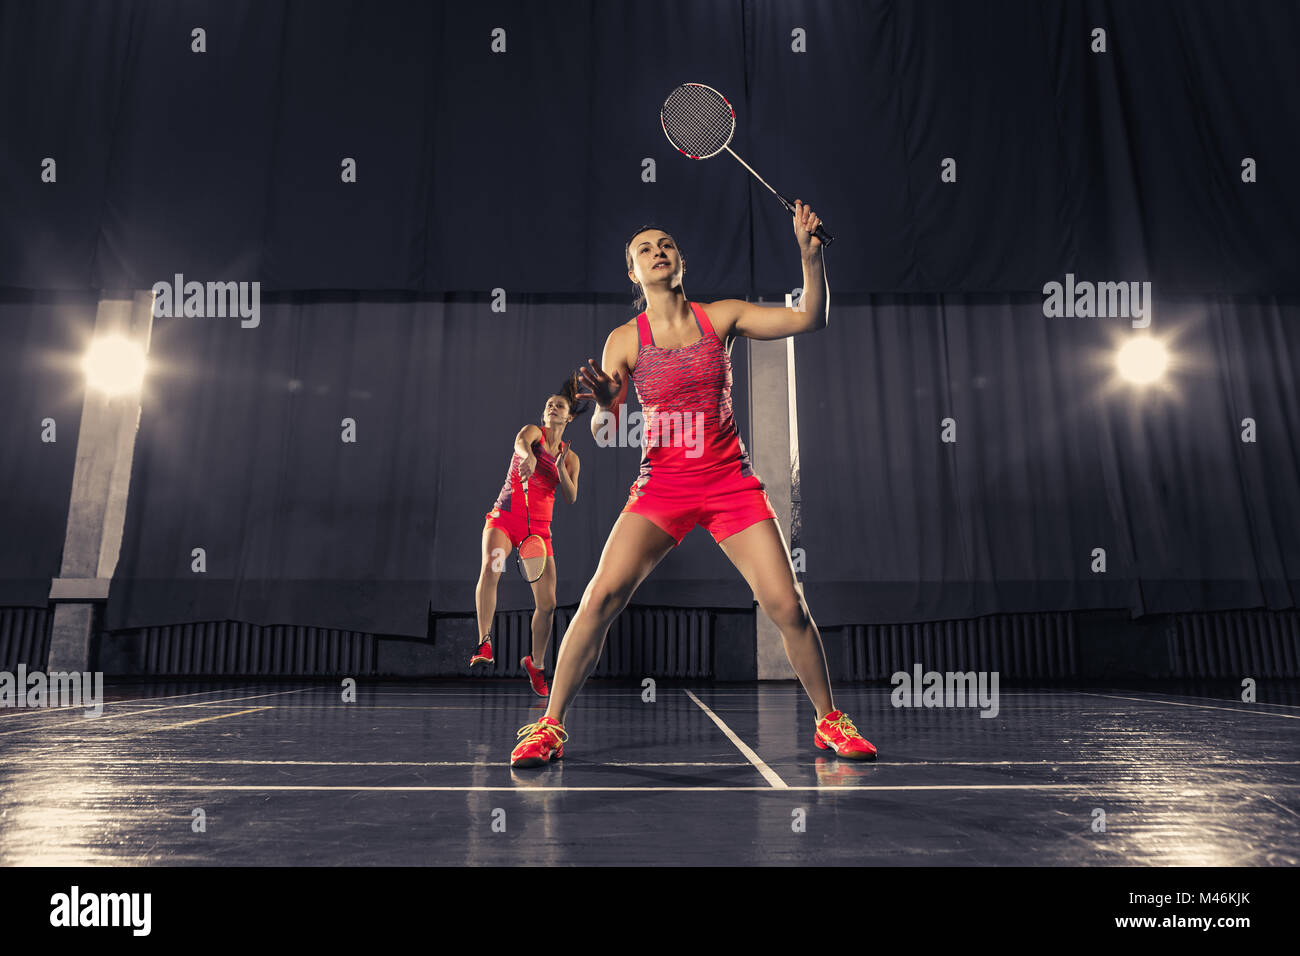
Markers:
point(694, 470)
point(543, 457)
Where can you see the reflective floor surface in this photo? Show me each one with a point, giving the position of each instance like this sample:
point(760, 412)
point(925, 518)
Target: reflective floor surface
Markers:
point(259, 773)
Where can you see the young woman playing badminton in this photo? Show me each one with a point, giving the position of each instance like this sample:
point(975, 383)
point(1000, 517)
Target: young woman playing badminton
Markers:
point(676, 354)
point(543, 460)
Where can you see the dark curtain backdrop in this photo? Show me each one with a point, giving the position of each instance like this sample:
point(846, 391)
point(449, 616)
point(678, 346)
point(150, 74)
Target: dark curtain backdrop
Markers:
point(42, 336)
point(522, 170)
point(240, 453)
point(1055, 456)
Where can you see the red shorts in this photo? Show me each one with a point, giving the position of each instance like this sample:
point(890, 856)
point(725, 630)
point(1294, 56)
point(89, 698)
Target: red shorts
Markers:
point(515, 525)
point(721, 507)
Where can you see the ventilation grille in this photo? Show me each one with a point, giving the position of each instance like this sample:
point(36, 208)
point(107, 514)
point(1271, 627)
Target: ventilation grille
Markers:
point(670, 642)
point(230, 648)
point(24, 637)
point(1018, 646)
point(642, 642)
point(1236, 644)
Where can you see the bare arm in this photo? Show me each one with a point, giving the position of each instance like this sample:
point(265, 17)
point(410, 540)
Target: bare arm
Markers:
point(524, 449)
point(568, 472)
point(756, 321)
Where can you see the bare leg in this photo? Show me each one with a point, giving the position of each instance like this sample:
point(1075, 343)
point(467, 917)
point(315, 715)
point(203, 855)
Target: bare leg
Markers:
point(761, 555)
point(635, 545)
point(544, 615)
point(496, 549)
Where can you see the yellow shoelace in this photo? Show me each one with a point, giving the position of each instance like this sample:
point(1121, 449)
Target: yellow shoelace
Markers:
point(538, 729)
point(845, 726)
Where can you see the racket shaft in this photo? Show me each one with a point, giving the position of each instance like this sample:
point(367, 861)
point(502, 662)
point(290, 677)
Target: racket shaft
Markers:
point(788, 205)
point(820, 231)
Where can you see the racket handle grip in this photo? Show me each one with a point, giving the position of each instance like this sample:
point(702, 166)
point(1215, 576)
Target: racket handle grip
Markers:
point(820, 232)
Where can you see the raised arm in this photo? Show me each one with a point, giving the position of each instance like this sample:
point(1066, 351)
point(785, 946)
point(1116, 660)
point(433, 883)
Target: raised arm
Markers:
point(811, 313)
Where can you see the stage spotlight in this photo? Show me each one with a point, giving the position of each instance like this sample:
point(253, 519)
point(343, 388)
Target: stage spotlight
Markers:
point(114, 365)
point(1142, 360)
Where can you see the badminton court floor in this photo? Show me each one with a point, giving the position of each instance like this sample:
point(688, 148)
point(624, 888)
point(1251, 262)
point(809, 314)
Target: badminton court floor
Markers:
point(291, 774)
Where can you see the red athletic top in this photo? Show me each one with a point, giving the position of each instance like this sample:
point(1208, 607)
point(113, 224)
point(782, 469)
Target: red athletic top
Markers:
point(685, 396)
point(541, 486)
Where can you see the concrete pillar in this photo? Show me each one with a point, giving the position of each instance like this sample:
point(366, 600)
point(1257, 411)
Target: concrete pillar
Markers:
point(774, 449)
point(100, 481)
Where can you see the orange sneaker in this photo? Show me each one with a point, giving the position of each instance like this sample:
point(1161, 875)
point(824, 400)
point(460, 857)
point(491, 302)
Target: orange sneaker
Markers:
point(836, 732)
point(542, 742)
point(484, 653)
point(535, 677)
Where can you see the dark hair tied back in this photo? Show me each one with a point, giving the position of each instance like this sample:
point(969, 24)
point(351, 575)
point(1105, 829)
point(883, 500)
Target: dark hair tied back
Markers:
point(570, 389)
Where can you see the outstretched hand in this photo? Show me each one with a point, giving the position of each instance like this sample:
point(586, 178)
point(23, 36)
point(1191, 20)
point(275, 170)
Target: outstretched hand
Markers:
point(602, 388)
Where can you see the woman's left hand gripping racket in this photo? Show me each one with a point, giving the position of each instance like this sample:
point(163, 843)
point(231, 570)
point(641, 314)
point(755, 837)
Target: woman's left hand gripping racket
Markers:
point(531, 558)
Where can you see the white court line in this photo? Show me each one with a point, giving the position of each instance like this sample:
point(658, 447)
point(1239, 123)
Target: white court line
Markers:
point(255, 788)
point(336, 703)
point(1135, 764)
point(882, 689)
point(1279, 805)
point(1258, 703)
point(141, 713)
point(73, 758)
point(329, 704)
point(186, 761)
point(768, 773)
point(201, 720)
point(880, 686)
point(1179, 703)
point(34, 711)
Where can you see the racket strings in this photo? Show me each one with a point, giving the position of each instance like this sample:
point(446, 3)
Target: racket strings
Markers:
point(698, 121)
point(697, 135)
point(532, 557)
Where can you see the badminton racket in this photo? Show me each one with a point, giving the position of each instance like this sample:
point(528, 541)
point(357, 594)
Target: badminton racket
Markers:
point(531, 559)
point(700, 122)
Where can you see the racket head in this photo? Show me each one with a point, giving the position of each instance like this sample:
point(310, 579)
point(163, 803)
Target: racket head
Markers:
point(532, 558)
point(698, 120)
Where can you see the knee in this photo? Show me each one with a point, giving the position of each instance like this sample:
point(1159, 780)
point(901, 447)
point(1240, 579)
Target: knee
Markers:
point(546, 606)
point(604, 599)
point(788, 611)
